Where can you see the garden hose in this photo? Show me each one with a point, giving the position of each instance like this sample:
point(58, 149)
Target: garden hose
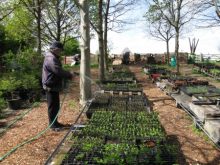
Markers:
point(16, 120)
point(36, 136)
point(72, 129)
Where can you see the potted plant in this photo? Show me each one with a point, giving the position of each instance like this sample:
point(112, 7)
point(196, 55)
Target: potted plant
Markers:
point(2, 102)
point(30, 88)
point(9, 87)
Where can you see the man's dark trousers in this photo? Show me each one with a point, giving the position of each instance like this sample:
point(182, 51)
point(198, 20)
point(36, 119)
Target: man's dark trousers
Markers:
point(53, 103)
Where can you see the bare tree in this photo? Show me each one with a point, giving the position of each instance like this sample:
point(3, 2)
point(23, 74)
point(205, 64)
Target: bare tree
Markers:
point(177, 13)
point(100, 36)
point(113, 21)
point(61, 19)
point(105, 36)
point(210, 17)
point(217, 6)
point(159, 28)
point(96, 22)
point(193, 45)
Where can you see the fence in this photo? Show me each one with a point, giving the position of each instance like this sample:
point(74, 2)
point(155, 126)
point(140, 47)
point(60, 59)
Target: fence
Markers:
point(204, 57)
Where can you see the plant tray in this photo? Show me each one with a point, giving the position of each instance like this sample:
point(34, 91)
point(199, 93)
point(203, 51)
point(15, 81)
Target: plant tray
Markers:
point(131, 81)
point(212, 128)
point(200, 89)
point(121, 153)
point(123, 92)
point(125, 102)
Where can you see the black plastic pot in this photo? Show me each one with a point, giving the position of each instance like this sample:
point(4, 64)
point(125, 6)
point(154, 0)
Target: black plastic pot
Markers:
point(89, 113)
point(24, 94)
point(14, 104)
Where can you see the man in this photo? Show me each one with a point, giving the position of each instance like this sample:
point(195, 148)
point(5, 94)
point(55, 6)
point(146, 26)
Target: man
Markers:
point(52, 75)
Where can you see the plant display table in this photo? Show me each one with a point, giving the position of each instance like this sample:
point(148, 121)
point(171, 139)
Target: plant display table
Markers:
point(212, 127)
point(202, 103)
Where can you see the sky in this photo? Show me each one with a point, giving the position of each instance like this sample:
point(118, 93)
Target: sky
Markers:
point(135, 38)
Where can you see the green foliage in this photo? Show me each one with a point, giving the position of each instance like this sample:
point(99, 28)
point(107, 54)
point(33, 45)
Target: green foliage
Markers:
point(196, 89)
point(215, 71)
point(27, 61)
point(153, 14)
point(9, 84)
point(2, 102)
point(23, 71)
point(94, 65)
point(71, 47)
point(2, 38)
point(29, 81)
point(19, 26)
point(191, 58)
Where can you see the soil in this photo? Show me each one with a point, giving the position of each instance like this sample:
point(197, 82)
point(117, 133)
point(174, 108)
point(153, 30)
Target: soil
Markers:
point(194, 146)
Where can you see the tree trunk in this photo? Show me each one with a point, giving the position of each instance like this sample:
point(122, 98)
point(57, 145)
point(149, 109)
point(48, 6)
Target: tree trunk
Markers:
point(168, 52)
point(85, 77)
point(216, 7)
point(39, 44)
point(106, 34)
point(177, 50)
point(101, 50)
point(58, 20)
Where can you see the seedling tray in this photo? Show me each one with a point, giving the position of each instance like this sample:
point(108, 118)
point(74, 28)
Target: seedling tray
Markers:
point(121, 87)
point(118, 103)
point(121, 153)
point(90, 145)
point(120, 81)
point(200, 89)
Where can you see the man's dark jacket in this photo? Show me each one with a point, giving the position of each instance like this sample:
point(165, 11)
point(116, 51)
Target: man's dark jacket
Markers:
point(52, 73)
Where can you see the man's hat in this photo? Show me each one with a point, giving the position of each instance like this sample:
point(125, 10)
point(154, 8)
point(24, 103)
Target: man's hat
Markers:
point(56, 44)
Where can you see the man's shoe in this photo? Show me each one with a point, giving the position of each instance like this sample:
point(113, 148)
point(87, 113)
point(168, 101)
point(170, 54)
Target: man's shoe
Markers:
point(56, 129)
point(63, 125)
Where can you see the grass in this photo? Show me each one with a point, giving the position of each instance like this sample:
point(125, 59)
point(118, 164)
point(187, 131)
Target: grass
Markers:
point(94, 65)
point(200, 133)
point(73, 104)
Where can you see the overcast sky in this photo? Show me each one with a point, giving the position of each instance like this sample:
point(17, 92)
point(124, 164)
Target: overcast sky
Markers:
point(138, 41)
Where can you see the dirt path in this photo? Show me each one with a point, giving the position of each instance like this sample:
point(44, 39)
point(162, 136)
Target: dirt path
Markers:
point(194, 147)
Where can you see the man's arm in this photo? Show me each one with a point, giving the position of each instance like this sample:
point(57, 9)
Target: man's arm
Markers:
point(57, 69)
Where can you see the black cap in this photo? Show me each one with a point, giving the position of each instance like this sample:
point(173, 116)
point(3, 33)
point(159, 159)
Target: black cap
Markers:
point(56, 44)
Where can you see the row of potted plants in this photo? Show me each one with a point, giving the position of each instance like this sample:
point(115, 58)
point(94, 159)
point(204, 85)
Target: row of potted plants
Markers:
point(209, 69)
point(200, 89)
point(18, 87)
point(20, 79)
point(120, 76)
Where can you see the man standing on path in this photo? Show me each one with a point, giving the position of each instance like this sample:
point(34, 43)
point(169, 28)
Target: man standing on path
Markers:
point(52, 75)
